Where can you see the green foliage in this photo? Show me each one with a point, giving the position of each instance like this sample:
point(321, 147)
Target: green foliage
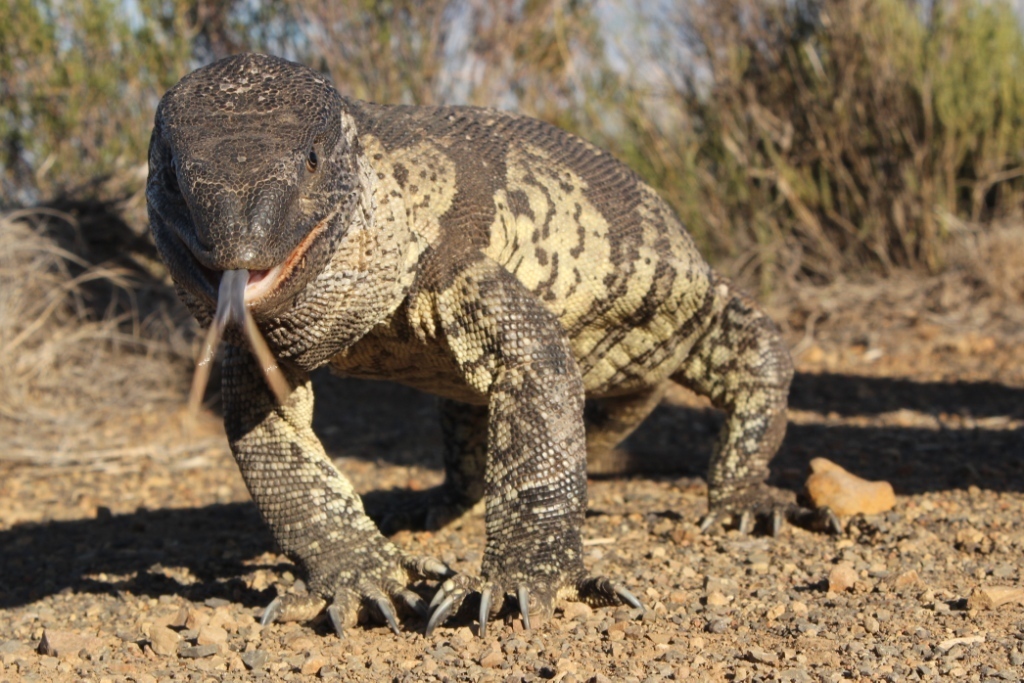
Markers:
point(80, 82)
point(801, 137)
point(832, 135)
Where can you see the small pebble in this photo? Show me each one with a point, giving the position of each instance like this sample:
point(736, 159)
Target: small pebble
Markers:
point(841, 578)
point(255, 659)
point(164, 641)
point(312, 665)
point(491, 658)
point(211, 635)
point(907, 579)
point(757, 654)
point(718, 626)
point(198, 651)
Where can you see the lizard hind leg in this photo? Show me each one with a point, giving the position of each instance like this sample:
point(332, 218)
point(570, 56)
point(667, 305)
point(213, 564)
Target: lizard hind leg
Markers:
point(609, 421)
point(464, 431)
point(741, 363)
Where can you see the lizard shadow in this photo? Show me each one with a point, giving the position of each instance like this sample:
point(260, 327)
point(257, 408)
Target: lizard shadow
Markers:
point(919, 436)
point(879, 428)
point(196, 553)
point(207, 552)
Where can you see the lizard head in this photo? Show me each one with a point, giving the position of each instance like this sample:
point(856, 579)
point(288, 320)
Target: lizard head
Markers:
point(251, 168)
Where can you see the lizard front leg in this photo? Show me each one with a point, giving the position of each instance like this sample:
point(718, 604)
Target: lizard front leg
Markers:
point(513, 351)
point(315, 516)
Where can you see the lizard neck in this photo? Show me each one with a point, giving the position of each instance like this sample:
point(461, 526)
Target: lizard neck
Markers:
point(366, 280)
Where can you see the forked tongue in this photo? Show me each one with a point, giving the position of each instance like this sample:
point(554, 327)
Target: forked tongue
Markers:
point(231, 308)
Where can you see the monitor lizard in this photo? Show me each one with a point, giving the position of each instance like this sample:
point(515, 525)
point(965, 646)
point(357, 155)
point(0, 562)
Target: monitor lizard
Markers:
point(533, 282)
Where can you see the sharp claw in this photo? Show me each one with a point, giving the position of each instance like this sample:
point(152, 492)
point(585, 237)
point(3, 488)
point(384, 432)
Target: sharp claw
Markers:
point(388, 612)
point(834, 525)
point(272, 612)
point(415, 603)
point(436, 569)
point(708, 521)
point(628, 597)
point(485, 610)
point(777, 520)
point(439, 615)
point(746, 522)
point(442, 593)
point(524, 605)
point(336, 620)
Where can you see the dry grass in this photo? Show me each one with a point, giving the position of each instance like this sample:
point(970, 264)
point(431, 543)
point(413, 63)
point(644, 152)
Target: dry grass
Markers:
point(84, 377)
point(992, 256)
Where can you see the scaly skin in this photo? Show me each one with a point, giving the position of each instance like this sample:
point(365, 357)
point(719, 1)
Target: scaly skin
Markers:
point(491, 259)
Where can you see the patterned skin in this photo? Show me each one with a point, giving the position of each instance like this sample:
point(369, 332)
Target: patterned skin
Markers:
point(530, 280)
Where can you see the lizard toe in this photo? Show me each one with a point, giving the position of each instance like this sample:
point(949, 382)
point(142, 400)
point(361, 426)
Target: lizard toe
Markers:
point(533, 598)
point(771, 519)
point(292, 608)
point(815, 519)
point(523, 595)
point(375, 597)
point(337, 620)
point(426, 567)
point(600, 591)
point(708, 522)
point(449, 597)
point(486, 600)
point(768, 521)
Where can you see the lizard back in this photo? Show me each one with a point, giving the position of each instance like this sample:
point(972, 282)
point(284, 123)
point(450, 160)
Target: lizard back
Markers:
point(575, 226)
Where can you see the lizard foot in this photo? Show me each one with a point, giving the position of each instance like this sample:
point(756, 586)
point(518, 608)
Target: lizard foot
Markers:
point(761, 510)
point(366, 600)
point(535, 604)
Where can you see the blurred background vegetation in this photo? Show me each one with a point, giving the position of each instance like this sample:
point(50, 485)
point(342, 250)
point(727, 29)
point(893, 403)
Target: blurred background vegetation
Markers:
point(801, 138)
point(801, 141)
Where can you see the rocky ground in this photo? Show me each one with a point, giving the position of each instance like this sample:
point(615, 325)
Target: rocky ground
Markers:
point(154, 566)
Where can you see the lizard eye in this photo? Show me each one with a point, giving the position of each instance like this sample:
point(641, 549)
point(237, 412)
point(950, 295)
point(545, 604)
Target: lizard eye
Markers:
point(312, 160)
point(172, 177)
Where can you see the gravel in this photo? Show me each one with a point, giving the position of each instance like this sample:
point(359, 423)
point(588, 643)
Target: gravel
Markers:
point(159, 567)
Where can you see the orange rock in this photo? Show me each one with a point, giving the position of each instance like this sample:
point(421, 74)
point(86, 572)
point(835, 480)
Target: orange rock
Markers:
point(847, 494)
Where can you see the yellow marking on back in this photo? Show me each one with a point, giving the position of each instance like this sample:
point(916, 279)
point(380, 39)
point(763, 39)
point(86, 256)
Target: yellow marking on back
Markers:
point(429, 185)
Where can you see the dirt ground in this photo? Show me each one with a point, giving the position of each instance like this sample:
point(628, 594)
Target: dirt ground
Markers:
point(151, 564)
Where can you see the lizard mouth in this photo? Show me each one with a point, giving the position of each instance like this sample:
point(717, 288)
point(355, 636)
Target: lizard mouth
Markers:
point(262, 282)
point(263, 285)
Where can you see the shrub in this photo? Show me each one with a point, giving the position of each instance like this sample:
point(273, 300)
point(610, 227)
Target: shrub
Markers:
point(830, 135)
point(796, 137)
point(80, 82)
